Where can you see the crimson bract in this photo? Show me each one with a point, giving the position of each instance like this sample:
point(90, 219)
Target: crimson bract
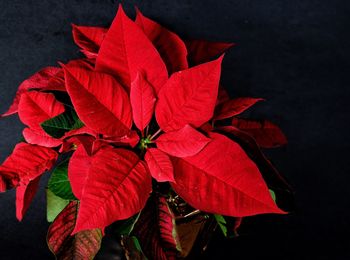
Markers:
point(141, 118)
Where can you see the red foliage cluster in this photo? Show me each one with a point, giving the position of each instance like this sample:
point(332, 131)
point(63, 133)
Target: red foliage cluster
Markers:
point(146, 105)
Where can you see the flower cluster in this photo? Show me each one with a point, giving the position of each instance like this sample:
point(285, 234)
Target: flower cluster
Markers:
point(137, 123)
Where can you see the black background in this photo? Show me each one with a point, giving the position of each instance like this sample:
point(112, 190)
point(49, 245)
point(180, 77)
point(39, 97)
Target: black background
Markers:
point(294, 53)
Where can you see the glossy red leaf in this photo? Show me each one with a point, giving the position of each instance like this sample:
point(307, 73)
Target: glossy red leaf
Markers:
point(142, 101)
point(100, 101)
point(234, 107)
point(182, 143)
point(189, 97)
point(37, 81)
point(226, 183)
point(89, 39)
point(170, 46)
point(78, 170)
point(265, 133)
point(159, 165)
point(26, 163)
point(83, 245)
point(200, 51)
point(24, 195)
point(40, 137)
point(36, 107)
point(117, 186)
point(126, 50)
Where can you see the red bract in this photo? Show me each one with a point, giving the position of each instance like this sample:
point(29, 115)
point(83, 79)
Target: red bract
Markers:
point(143, 140)
point(100, 101)
point(233, 183)
point(182, 143)
point(126, 50)
point(36, 107)
point(189, 97)
point(116, 187)
point(37, 81)
point(171, 48)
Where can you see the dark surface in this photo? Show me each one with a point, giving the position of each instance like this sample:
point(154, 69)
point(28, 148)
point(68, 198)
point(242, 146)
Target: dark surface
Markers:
point(293, 53)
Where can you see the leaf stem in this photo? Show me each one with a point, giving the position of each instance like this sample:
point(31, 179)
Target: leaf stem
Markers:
point(155, 134)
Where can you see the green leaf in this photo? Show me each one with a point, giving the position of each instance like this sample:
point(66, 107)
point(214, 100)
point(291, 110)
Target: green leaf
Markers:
point(222, 223)
point(125, 227)
point(54, 205)
point(59, 183)
point(59, 125)
point(273, 195)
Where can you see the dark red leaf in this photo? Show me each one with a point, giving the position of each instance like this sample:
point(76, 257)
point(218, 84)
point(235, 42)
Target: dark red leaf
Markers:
point(100, 101)
point(182, 143)
point(148, 231)
point(24, 196)
point(159, 165)
point(226, 183)
point(189, 97)
point(223, 96)
point(126, 50)
point(89, 39)
point(170, 46)
point(37, 81)
point(200, 51)
point(167, 225)
point(83, 245)
point(117, 187)
point(36, 107)
point(265, 133)
point(234, 107)
point(142, 101)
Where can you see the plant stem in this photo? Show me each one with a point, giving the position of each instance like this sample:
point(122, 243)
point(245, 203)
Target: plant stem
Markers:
point(156, 134)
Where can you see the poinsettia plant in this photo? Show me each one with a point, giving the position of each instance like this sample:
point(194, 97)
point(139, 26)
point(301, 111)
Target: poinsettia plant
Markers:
point(141, 134)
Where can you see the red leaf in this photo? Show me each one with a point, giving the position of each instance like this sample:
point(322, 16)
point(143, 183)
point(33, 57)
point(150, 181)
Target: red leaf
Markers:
point(116, 187)
point(265, 133)
point(170, 46)
point(89, 39)
point(40, 137)
point(272, 177)
point(78, 170)
point(234, 107)
point(159, 165)
point(24, 196)
point(200, 51)
point(36, 107)
point(142, 100)
point(38, 80)
point(127, 50)
point(189, 97)
point(226, 183)
point(100, 101)
point(182, 143)
point(83, 245)
point(26, 163)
